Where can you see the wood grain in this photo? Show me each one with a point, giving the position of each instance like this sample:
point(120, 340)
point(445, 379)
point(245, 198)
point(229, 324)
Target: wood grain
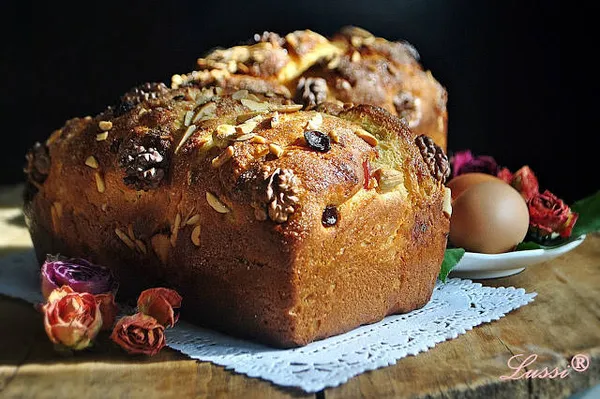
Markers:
point(564, 320)
point(30, 368)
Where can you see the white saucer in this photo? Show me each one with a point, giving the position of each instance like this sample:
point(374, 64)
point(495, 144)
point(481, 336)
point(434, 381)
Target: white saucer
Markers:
point(480, 266)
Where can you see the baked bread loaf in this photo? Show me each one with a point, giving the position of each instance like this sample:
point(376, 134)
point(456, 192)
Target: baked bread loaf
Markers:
point(272, 222)
point(353, 67)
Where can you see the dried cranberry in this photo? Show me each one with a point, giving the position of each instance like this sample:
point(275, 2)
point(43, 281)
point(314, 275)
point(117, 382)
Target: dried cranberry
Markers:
point(330, 216)
point(367, 172)
point(317, 140)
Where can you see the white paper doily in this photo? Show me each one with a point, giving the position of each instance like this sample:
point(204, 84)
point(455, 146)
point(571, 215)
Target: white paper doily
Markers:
point(456, 306)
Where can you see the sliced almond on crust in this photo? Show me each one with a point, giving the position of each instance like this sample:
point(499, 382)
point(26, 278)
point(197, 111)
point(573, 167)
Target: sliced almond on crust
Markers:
point(161, 246)
point(447, 205)
point(196, 236)
point(216, 203)
point(126, 240)
point(366, 136)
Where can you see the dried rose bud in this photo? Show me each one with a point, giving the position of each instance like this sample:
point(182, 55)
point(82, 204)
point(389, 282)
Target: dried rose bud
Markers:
point(550, 217)
point(77, 273)
point(464, 162)
point(159, 303)
point(525, 182)
point(71, 319)
point(139, 334)
point(108, 309)
point(505, 174)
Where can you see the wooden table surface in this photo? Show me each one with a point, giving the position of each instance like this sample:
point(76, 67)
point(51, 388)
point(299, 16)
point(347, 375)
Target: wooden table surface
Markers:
point(563, 321)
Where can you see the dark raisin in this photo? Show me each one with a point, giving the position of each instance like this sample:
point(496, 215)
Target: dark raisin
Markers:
point(330, 216)
point(29, 192)
point(145, 160)
point(179, 97)
point(122, 108)
point(38, 163)
point(244, 181)
point(114, 146)
point(317, 140)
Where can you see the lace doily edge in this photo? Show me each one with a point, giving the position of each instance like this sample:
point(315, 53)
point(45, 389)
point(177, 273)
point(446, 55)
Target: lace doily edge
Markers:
point(334, 382)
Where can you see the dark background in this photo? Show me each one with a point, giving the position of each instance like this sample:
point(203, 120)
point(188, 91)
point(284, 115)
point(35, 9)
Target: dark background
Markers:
point(500, 62)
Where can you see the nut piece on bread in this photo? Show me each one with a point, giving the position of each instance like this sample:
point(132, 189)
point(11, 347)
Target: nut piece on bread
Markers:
point(273, 223)
point(354, 66)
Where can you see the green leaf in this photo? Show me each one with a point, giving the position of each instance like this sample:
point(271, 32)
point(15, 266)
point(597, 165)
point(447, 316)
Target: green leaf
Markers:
point(525, 245)
point(451, 257)
point(589, 215)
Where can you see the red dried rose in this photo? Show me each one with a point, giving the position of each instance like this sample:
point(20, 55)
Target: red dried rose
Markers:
point(139, 334)
point(505, 174)
point(160, 304)
point(550, 217)
point(108, 309)
point(525, 182)
point(71, 319)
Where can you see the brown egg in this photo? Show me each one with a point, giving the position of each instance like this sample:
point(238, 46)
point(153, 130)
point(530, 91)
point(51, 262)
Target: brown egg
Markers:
point(462, 182)
point(489, 217)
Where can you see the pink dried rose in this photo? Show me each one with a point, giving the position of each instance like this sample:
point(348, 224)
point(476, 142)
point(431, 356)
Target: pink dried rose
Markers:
point(139, 334)
point(550, 217)
point(160, 304)
point(108, 309)
point(464, 162)
point(77, 273)
point(71, 319)
point(525, 182)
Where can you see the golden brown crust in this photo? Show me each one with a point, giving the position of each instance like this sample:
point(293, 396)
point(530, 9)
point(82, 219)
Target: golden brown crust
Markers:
point(353, 67)
point(387, 74)
point(217, 193)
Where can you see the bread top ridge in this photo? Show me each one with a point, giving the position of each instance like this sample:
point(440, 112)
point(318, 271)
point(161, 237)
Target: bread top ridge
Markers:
point(257, 157)
point(353, 66)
